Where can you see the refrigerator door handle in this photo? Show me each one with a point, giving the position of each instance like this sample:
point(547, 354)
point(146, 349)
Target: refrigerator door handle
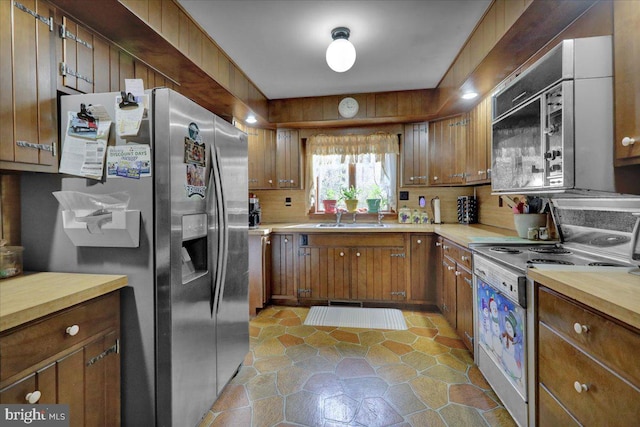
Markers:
point(223, 238)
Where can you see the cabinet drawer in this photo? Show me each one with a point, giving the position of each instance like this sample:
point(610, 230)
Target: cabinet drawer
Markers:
point(605, 340)
point(460, 255)
point(25, 346)
point(551, 413)
point(607, 399)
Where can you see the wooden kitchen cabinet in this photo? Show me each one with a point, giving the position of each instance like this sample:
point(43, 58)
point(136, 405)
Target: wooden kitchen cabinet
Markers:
point(283, 284)
point(262, 159)
point(259, 272)
point(288, 170)
point(69, 357)
point(424, 277)
point(458, 290)
point(586, 372)
point(323, 273)
point(28, 129)
point(439, 269)
point(378, 273)
point(478, 149)
point(77, 63)
point(626, 21)
point(415, 155)
point(447, 150)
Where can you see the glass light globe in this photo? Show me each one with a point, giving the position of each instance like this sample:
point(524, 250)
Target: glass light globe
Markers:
point(341, 55)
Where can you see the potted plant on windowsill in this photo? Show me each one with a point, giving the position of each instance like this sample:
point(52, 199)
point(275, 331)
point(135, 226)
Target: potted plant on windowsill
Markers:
point(330, 201)
point(350, 196)
point(375, 199)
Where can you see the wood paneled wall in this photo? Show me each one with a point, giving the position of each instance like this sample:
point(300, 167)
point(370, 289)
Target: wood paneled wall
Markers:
point(10, 209)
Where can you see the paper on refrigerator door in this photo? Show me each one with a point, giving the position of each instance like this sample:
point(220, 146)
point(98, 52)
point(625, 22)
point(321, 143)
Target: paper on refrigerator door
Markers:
point(84, 147)
point(128, 119)
point(128, 161)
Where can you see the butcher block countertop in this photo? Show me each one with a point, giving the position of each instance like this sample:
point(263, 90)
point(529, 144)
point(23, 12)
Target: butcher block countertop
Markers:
point(616, 293)
point(29, 297)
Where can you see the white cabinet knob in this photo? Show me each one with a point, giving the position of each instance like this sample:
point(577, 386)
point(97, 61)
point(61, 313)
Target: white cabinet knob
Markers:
point(33, 397)
point(435, 178)
point(580, 328)
point(410, 178)
point(465, 258)
point(626, 141)
point(341, 253)
point(580, 387)
point(268, 242)
point(449, 268)
point(419, 241)
point(270, 181)
point(73, 330)
point(286, 240)
point(458, 273)
point(357, 253)
point(445, 247)
point(438, 244)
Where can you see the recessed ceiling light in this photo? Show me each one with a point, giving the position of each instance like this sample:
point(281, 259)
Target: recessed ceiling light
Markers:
point(251, 119)
point(469, 95)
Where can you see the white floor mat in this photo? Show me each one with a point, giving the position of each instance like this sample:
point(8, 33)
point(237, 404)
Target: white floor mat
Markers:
point(356, 317)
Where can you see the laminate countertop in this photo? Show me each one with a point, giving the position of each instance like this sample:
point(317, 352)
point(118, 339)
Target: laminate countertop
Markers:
point(459, 233)
point(31, 296)
point(613, 292)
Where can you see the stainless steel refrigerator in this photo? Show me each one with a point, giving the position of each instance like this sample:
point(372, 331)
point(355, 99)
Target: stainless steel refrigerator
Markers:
point(185, 316)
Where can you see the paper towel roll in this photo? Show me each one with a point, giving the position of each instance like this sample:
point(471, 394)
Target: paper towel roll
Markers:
point(436, 211)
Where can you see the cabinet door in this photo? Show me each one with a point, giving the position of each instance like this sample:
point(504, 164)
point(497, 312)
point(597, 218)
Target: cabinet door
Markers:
point(449, 291)
point(423, 272)
point(262, 160)
point(282, 267)
point(436, 149)
point(71, 385)
point(458, 128)
point(323, 273)
point(266, 269)
point(439, 294)
point(288, 159)
point(478, 154)
point(415, 155)
point(378, 274)
point(28, 128)
point(77, 56)
point(464, 307)
point(102, 382)
point(626, 21)
point(43, 382)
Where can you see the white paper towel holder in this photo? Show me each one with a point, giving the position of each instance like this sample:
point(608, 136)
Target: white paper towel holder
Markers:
point(435, 208)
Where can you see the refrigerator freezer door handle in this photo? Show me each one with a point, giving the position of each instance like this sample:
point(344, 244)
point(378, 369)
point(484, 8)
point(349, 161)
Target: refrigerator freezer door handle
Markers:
point(221, 262)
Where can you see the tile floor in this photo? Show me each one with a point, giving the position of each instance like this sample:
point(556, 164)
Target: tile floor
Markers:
point(298, 375)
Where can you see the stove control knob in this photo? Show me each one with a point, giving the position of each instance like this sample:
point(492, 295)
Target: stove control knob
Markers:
point(580, 387)
point(580, 328)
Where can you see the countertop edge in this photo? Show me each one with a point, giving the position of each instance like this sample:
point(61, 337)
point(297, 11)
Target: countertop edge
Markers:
point(62, 301)
point(618, 306)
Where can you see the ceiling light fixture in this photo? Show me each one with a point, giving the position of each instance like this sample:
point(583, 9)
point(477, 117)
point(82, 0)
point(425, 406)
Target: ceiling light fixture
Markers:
point(251, 119)
point(341, 55)
point(469, 95)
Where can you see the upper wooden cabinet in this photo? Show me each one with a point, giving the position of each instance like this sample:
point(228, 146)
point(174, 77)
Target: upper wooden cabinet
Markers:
point(28, 129)
point(478, 150)
point(262, 159)
point(626, 21)
point(415, 155)
point(288, 170)
point(447, 150)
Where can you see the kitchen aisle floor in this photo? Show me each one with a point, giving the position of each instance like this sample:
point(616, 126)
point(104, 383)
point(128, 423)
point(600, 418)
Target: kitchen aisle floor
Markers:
point(298, 375)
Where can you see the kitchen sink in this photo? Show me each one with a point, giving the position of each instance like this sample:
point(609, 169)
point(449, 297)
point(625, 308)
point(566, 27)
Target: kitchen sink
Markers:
point(350, 225)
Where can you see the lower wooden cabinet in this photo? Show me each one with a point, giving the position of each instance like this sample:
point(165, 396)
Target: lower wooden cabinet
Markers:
point(259, 272)
point(70, 357)
point(283, 266)
point(457, 290)
point(424, 278)
point(587, 374)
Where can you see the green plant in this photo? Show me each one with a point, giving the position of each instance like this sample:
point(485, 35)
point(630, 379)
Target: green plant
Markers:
point(376, 192)
point(331, 194)
point(350, 193)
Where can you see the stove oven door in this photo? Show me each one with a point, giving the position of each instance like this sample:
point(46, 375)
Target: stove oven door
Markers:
point(501, 332)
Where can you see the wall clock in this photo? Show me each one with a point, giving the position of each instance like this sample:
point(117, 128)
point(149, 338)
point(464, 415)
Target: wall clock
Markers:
point(348, 108)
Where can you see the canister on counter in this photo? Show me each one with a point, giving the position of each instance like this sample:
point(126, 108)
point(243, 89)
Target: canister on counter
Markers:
point(404, 215)
point(543, 233)
point(532, 233)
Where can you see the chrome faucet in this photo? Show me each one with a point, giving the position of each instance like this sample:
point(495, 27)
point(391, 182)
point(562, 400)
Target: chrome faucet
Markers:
point(338, 216)
point(354, 217)
point(380, 216)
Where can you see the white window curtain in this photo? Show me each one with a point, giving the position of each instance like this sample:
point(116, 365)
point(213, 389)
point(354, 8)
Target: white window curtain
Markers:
point(379, 147)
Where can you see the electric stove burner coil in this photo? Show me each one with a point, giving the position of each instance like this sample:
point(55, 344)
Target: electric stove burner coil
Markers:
point(549, 261)
point(610, 240)
point(553, 250)
point(605, 264)
point(503, 250)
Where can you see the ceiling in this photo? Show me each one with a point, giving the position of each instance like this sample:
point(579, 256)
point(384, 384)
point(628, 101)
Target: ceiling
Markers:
point(280, 44)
